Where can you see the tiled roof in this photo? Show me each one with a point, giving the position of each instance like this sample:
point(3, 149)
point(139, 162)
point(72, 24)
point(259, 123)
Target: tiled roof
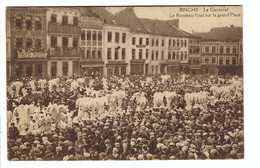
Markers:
point(222, 34)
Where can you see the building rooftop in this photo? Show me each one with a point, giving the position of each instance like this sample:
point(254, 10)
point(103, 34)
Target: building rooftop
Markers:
point(228, 34)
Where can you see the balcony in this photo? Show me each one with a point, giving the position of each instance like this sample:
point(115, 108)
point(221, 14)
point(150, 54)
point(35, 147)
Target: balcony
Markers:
point(29, 55)
point(59, 52)
point(66, 29)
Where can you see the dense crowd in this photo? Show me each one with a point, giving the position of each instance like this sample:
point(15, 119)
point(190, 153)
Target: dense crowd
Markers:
point(47, 122)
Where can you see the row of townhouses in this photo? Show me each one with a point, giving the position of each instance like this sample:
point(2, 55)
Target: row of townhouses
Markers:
point(65, 41)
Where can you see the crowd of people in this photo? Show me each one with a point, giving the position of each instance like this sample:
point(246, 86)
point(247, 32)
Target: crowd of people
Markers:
point(137, 117)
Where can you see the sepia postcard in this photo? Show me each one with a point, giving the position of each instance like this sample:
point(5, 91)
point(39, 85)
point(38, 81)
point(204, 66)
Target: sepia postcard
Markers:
point(124, 83)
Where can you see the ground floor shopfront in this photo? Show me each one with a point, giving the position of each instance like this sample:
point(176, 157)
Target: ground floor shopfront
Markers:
point(64, 67)
point(195, 70)
point(184, 68)
point(29, 67)
point(137, 67)
point(116, 68)
point(224, 70)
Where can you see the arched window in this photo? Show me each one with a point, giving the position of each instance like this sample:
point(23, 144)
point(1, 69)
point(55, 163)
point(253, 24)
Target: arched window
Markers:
point(19, 22)
point(177, 55)
point(28, 23)
point(185, 55)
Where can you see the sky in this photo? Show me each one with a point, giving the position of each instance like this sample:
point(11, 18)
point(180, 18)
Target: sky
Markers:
point(197, 24)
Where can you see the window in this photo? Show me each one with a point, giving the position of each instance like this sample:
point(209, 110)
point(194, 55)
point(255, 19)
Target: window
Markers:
point(152, 69)
point(213, 49)
point(38, 24)
point(75, 42)
point(173, 55)
point(53, 18)
point(234, 61)
point(206, 60)
point(162, 55)
point(181, 43)
point(147, 53)
point(65, 42)
point(65, 68)
point(152, 42)
point(170, 42)
point(83, 35)
point(109, 36)
point(88, 53)
point(123, 53)
point(94, 35)
point(28, 43)
point(207, 49)
point(181, 56)
point(140, 41)
point(197, 50)
point(64, 20)
point(213, 60)
point(169, 55)
point(53, 41)
point(177, 55)
point(190, 51)
point(123, 37)
point(157, 42)
point(221, 49)
point(38, 44)
point(109, 53)
point(99, 53)
point(53, 69)
point(152, 55)
point(28, 23)
point(173, 43)
point(234, 50)
point(220, 60)
point(133, 53)
point(19, 43)
point(186, 55)
point(227, 61)
point(117, 37)
point(147, 41)
point(178, 43)
point(133, 41)
point(19, 22)
point(116, 53)
point(162, 43)
point(93, 55)
point(228, 49)
point(140, 53)
point(75, 21)
point(185, 43)
point(157, 55)
point(99, 36)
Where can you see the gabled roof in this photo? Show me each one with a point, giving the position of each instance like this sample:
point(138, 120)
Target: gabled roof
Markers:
point(128, 18)
point(162, 27)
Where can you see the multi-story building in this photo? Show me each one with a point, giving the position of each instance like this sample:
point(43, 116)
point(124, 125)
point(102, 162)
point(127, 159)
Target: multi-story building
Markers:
point(220, 50)
point(92, 46)
point(8, 44)
point(63, 38)
point(28, 41)
point(194, 55)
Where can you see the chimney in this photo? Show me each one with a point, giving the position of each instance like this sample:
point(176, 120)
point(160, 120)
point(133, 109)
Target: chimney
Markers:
point(175, 22)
